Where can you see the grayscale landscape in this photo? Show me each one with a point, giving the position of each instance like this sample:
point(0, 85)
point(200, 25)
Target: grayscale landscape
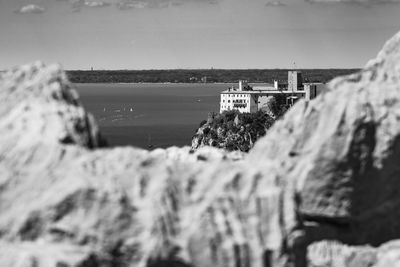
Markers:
point(199, 133)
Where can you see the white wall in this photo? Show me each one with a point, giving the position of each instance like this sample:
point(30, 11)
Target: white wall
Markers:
point(228, 101)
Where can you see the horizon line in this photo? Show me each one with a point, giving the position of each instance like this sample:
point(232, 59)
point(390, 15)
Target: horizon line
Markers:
point(203, 69)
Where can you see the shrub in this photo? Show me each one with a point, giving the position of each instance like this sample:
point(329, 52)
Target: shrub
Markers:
point(217, 122)
point(213, 134)
point(202, 123)
point(231, 146)
point(230, 115)
point(211, 116)
point(222, 129)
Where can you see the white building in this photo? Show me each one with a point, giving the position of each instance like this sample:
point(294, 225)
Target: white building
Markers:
point(247, 99)
point(239, 99)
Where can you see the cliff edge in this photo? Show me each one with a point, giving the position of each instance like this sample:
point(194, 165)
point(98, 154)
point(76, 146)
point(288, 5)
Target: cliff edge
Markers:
point(235, 131)
point(327, 171)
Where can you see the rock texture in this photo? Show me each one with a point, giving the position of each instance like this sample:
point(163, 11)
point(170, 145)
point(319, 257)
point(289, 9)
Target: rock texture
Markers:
point(335, 254)
point(341, 154)
point(328, 170)
point(66, 202)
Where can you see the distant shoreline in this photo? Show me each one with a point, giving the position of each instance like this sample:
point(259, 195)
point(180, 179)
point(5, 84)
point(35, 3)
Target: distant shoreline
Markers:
point(209, 76)
point(183, 83)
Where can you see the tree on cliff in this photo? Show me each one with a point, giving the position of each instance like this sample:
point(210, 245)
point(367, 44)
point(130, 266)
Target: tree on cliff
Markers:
point(233, 130)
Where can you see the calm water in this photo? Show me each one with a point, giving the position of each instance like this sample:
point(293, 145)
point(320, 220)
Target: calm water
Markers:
point(141, 114)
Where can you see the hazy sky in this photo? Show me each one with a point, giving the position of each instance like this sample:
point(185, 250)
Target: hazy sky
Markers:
point(153, 34)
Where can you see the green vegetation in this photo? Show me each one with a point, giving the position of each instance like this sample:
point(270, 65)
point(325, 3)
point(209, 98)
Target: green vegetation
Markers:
point(196, 76)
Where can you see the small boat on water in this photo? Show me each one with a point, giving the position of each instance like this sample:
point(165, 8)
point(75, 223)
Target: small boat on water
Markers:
point(149, 144)
point(131, 110)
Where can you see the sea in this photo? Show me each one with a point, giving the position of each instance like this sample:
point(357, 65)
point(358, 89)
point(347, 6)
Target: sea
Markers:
point(149, 115)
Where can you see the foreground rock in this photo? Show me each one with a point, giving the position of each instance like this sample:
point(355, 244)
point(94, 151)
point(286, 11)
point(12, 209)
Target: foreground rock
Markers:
point(341, 152)
point(328, 170)
point(335, 254)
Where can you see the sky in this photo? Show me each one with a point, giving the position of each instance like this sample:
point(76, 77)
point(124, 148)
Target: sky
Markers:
point(170, 34)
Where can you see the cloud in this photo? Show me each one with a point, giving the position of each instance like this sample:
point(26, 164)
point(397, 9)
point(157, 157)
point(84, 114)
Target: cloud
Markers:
point(275, 4)
point(128, 4)
point(77, 5)
point(138, 4)
point(359, 2)
point(30, 9)
point(96, 4)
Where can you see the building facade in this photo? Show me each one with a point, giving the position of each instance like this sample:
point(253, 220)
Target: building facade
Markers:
point(312, 90)
point(242, 101)
point(295, 81)
point(247, 99)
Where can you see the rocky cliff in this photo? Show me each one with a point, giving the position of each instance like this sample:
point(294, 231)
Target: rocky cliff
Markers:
point(327, 171)
point(234, 131)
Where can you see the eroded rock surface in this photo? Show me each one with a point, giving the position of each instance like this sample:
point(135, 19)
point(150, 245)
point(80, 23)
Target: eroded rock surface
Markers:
point(340, 153)
point(336, 254)
point(328, 170)
point(60, 194)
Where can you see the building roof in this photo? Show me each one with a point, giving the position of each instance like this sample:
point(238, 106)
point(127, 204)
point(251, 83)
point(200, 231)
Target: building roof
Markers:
point(263, 92)
point(264, 88)
point(313, 83)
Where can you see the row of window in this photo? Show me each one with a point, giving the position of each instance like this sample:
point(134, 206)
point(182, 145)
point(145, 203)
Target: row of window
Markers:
point(239, 95)
point(236, 106)
point(225, 107)
point(237, 101)
point(239, 105)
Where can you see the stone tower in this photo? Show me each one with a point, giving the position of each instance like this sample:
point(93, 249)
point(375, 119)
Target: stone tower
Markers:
point(295, 81)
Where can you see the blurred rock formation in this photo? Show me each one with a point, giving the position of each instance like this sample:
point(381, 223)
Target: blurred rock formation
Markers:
point(327, 171)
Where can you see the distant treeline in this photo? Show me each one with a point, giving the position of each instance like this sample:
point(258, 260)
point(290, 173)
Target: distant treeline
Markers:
point(200, 75)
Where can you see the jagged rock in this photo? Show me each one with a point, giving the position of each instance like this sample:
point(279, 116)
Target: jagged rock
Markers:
point(38, 102)
point(60, 192)
point(340, 154)
point(335, 254)
point(326, 171)
point(40, 254)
